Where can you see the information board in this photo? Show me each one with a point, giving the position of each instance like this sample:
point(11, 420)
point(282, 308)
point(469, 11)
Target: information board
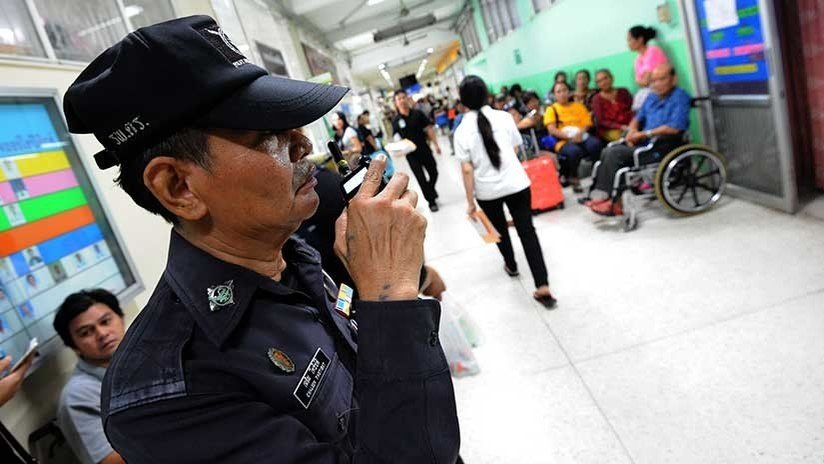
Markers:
point(54, 236)
point(734, 51)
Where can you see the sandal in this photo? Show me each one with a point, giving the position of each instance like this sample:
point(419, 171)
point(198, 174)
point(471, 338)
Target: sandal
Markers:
point(548, 301)
point(607, 208)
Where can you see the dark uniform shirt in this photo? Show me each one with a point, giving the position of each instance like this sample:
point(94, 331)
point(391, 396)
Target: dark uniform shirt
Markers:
point(195, 379)
point(413, 127)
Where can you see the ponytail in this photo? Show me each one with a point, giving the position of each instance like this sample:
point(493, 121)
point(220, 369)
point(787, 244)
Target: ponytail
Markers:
point(492, 148)
point(643, 32)
point(473, 93)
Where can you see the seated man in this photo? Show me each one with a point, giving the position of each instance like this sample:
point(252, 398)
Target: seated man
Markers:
point(665, 115)
point(91, 323)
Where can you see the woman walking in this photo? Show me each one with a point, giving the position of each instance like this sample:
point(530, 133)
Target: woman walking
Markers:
point(485, 144)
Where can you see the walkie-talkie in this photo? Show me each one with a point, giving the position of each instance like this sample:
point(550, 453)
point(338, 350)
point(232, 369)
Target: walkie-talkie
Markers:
point(352, 179)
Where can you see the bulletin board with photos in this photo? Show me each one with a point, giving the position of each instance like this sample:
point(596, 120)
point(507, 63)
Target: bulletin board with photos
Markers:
point(55, 236)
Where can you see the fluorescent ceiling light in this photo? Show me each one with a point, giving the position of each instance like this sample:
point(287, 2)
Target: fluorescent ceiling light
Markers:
point(373, 2)
point(421, 68)
point(430, 50)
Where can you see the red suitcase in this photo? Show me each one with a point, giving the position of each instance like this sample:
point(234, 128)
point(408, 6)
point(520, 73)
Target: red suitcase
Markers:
point(547, 193)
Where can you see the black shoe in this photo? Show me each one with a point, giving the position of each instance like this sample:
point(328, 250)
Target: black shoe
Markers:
point(577, 189)
point(548, 301)
point(510, 272)
point(433, 207)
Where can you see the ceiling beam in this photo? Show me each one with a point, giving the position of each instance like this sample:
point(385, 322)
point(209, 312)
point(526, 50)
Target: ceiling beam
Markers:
point(386, 19)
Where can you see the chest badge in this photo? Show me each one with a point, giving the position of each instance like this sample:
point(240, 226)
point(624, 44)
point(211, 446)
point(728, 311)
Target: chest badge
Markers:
point(221, 295)
point(344, 301)
point(281, 360)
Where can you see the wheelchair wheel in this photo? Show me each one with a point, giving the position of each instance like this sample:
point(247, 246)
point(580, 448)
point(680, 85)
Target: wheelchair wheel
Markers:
point(691, 179)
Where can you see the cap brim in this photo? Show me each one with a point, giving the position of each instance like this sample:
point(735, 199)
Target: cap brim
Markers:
point(273, 103)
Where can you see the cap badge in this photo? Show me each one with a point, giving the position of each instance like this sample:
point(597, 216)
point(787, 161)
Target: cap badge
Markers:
point(221, 295)
point(225, 38)
point(281, 360)
point(215, 35)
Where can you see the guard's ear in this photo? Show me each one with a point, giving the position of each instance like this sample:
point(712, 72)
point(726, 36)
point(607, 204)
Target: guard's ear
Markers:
point(169, 179)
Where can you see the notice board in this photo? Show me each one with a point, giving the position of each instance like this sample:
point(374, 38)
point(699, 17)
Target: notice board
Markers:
point(734, 50)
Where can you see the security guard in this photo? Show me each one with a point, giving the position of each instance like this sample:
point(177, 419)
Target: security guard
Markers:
point(245, 352)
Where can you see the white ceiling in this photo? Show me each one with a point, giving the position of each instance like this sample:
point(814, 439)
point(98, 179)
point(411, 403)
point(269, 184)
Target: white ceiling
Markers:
point(349, 25)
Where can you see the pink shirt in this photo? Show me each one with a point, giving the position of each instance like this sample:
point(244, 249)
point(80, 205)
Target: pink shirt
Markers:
point(648, 61)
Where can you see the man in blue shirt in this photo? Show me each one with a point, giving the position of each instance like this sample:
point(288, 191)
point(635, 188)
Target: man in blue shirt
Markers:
point(665, 115)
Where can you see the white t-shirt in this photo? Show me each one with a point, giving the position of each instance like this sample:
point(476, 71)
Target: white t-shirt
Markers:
point(346, 139)
point(491, 183)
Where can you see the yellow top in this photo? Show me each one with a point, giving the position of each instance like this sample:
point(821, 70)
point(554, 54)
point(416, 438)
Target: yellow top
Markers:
point(571, 114)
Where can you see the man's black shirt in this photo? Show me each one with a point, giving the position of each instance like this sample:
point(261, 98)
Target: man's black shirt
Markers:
point(413, 127)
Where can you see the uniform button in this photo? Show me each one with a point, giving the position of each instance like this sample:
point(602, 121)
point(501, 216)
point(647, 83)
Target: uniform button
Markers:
point(433, 338)
point(341, 423)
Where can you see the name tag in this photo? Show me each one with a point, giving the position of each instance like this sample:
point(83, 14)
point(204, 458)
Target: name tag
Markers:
point(312, 377)
point(402, 123)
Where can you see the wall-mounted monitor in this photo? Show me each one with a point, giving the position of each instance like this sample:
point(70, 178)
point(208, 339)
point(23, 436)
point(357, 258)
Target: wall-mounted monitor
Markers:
point(55, 234)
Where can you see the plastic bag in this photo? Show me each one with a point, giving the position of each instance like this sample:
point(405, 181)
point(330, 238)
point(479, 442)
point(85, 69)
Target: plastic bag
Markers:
point(455, 345)
point(470, 329)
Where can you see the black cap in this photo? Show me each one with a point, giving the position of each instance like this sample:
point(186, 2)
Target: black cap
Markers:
point(178, 73)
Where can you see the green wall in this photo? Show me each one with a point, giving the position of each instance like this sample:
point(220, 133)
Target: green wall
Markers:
point(578, 34)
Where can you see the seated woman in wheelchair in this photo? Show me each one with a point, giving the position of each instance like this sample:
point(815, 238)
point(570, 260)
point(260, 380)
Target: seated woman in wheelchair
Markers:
point(664, 116)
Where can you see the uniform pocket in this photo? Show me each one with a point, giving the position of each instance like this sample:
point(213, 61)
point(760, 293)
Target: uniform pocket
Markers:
point(328, 415)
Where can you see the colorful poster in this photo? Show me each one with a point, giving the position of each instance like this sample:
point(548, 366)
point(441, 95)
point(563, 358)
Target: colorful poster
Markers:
point(54, 239)
point(734, 50)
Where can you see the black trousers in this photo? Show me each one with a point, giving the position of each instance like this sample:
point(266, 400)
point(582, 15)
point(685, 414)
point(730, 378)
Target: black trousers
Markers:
point(619, 156)
point(613, 159)
point(420, 161)
point(519, 207)
point(571, 154)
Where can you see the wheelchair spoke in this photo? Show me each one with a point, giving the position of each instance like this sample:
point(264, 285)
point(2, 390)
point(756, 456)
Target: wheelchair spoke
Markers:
point(709, 189)
point(695, 197)
point(707, 174)
point(683, 194)
point(700, 164)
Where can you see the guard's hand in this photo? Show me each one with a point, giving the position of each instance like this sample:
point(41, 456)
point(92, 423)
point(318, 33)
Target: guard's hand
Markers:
point(10, 384)
point(379, 237)
point(438, 149)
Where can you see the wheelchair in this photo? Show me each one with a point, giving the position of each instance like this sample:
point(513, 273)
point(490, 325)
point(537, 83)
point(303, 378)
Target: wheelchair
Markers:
point(687, 180)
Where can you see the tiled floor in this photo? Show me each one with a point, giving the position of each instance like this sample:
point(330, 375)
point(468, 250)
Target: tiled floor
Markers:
point(693, 340)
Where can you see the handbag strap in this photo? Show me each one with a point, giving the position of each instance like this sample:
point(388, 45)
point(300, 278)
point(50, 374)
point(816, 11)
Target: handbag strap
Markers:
point(557, 119)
